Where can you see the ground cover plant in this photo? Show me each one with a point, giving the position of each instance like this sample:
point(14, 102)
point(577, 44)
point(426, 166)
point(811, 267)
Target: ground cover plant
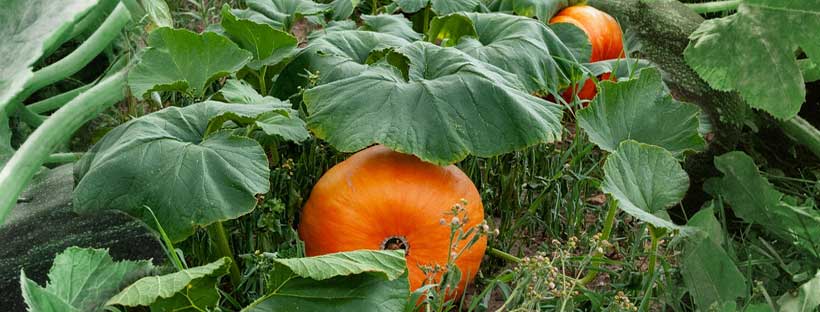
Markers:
point(410, 155)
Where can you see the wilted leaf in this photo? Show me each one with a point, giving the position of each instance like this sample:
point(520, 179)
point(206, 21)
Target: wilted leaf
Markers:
point(180, 60)
point(753, 52)
point(645, 179)
point(81, 279)
point(162, 161)
point(641, 109)
point(451, 106)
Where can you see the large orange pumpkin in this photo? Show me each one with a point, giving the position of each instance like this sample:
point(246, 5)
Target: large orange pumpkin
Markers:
point(603, 32)
point(381, 199)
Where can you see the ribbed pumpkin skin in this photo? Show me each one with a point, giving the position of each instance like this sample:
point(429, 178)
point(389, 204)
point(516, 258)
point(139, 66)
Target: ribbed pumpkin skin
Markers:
point(377, 194)
point(603, 32)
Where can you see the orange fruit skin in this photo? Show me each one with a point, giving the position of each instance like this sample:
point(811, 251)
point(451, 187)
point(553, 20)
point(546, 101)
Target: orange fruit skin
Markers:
point(377, 194)
point(602, 30)
point(604, 34)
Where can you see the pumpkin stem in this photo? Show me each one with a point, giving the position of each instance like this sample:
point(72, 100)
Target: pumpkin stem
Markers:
point(395, 243)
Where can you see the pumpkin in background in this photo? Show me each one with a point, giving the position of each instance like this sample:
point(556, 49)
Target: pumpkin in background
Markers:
point(604, 34)
point(381, 199)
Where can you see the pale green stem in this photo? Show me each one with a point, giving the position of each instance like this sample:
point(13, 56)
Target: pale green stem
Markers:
point(63, 158)
point(803, 133)
point(55, 131)
point(223, 247)
point(78, 59)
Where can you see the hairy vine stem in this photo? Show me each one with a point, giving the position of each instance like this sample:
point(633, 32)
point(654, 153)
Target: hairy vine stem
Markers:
point(802, 132)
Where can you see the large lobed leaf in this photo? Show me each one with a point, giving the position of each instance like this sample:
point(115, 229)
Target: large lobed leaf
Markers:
point(753, 52)
point(180, 60)
point(645, 179)
point(28, 29)
point(349, 281)
point(439, 104)
point(519, 45)
point(440, 7)
point(163, 162)
point(540, 9)
point(641, 109)
point(268, 45)
point(334, 56)
point(176, 291)
point(282, 13)
point(396, 25)
point(81, 280)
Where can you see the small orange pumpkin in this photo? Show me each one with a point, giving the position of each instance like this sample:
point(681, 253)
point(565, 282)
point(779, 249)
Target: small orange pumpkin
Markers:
point(604, 34)
point(381, 199)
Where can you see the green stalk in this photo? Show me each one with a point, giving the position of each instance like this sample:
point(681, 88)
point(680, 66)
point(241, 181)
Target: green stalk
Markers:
point(27, 116)
point(79, 58)
point(63, 158)
point(223, 247)
point(609, 223)
point(55, 131)
point(262, 80)
point(426, 22)
point(803, 133)
point(57, 101)
point(375, 7)
point(503, 255)
point(653, 258)
point(714, 7)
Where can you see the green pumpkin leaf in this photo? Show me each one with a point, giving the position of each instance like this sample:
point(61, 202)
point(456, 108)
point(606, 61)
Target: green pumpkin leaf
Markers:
point(283, 13)
point(176, 291)
point(361, 280)
point(81, 279)
point(755, 200)
point(335, 55)
point(575, 39)
point(540, 9)
point(390, 264)
point(641, 109)
point(708, 272)
point(645, 179)
point(440, 7)
point(342, 9)
point(29, 28)
point(806, 299)
point(451, 106)
point(162, 161)
point(269, 46)
point(240, 92)
point(183, 61)
point(520, 45)
point(753, 52)
point(395, 25)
